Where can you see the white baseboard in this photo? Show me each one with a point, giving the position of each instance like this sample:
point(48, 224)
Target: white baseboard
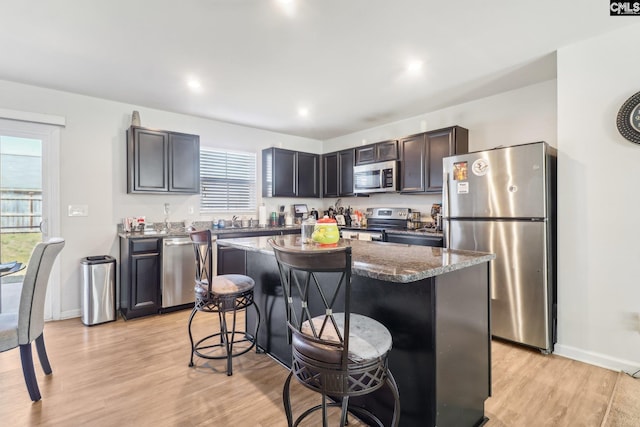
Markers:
point(70, 314)
point(597, 359)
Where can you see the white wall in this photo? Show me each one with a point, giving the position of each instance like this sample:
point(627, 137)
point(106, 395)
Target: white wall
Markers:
point(599, 171)
point(516, 117)
point(93, 169)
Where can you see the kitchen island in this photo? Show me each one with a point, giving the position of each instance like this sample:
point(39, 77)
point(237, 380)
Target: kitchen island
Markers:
point(434, 301)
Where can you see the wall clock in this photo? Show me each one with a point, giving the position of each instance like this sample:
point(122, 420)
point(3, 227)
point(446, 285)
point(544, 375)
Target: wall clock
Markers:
point(628, 120)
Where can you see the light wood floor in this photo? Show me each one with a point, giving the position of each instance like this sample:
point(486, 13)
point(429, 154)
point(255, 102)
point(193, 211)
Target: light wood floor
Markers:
point(135, 373)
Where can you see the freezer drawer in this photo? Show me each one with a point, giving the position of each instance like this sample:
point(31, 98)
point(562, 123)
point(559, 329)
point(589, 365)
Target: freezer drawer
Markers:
point(521, 280)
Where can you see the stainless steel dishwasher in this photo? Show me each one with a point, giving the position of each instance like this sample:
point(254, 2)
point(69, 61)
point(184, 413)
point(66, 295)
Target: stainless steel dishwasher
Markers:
point(178, 271)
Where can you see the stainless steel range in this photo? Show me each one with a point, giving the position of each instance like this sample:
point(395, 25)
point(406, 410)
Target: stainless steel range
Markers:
point(379, 221)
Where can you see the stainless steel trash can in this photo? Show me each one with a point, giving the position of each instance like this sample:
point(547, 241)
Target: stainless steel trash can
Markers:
point(98, 290)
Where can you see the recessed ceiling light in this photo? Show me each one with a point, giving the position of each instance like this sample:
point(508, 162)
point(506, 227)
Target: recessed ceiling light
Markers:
point(414, 66)
point(288, 7)
point(194, 85)
point(303, 112)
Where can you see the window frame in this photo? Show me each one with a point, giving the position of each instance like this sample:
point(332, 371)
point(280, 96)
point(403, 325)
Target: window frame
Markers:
point(242, 164)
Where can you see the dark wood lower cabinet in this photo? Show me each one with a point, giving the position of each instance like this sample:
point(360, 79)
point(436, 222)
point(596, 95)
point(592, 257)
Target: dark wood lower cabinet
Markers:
point(441, 345)
point(231, 261)
point(139, 277)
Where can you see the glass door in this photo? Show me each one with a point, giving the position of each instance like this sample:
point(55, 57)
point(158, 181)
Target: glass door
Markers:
point(20, 209)
point(29, 198)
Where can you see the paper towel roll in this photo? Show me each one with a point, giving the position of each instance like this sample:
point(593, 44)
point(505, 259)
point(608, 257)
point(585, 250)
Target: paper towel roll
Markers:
point(262, 215)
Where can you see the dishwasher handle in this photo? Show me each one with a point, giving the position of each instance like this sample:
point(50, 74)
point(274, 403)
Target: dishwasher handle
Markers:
point(177, 242)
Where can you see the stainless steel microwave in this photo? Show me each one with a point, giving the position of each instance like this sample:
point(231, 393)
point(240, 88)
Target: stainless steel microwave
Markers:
point(376, 177)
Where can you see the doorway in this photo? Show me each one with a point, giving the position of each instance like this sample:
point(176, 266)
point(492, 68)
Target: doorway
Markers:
point(20, 209)
point(29, 201)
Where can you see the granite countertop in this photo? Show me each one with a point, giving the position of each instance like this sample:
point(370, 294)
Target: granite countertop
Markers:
point(392, 262)
point(419, 232)
point(220, 232)
point(426, 232)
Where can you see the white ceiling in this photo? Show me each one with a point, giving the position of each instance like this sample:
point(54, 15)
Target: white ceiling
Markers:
point(259, 62)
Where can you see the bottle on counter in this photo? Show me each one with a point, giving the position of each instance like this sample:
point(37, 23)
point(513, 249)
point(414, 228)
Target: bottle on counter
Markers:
point(262, 215)
point(314, 213)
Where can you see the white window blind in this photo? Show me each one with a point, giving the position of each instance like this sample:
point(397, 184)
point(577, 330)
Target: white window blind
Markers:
point(228, 181)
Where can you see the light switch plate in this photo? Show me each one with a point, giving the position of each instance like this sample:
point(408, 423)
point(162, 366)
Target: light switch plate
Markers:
point(78, 210)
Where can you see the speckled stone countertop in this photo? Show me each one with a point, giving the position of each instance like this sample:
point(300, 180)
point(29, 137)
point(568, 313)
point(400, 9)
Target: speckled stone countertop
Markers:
point(420, 232)
point(391, 262)
point(428, 232)
point(220, 232)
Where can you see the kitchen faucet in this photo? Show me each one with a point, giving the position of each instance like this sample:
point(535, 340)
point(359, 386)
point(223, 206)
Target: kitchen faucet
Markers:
point(167, 209)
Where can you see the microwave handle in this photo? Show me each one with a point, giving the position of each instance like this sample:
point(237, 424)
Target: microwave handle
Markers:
point(381, 175)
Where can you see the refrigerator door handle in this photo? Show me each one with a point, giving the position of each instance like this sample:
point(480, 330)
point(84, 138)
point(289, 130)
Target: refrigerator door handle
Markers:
point(445, 209)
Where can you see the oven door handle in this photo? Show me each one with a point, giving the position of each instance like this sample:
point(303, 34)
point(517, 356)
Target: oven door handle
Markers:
point(382, 238)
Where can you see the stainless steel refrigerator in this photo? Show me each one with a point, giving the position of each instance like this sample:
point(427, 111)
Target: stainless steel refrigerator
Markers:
point(504, 201)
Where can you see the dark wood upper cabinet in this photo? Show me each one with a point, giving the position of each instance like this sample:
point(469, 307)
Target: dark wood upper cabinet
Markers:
point(412, 173)
point(308, 175)
point(330, 175)
point(378, 152)
point(365, 154)
point(288, 173)
point(337, 170)
point(162, 161)
point(386, 150)
point(422, 155)
point(184, 163)
point(345, 172)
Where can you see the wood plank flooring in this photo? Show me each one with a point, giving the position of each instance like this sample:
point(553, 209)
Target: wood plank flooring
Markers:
point(136, 373)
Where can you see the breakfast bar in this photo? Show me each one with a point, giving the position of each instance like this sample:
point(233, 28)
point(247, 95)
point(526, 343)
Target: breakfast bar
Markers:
point(434, 301)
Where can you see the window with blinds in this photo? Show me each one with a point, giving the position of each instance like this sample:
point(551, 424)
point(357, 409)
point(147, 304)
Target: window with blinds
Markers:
point(228, 181)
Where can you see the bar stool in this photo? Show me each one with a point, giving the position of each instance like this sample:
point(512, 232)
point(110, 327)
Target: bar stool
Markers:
point(224, 294)
point(336, 353)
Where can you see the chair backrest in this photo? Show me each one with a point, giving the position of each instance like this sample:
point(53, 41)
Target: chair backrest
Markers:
point(204, 255)
point(34, 290)
point(317, 283)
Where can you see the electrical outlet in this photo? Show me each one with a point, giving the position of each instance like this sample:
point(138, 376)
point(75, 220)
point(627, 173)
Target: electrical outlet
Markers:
point(631, 321)
point(78, 210)
point(190, 209)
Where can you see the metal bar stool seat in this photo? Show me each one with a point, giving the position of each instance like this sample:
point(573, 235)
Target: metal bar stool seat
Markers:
point(224, 294)
point(336, 353)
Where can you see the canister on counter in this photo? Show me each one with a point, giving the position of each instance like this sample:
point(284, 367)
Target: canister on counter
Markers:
point(307, 229)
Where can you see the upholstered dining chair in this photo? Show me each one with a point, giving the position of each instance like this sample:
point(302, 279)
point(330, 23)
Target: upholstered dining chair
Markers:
point(335, 352)
point(27, 325)
point(223, 294)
